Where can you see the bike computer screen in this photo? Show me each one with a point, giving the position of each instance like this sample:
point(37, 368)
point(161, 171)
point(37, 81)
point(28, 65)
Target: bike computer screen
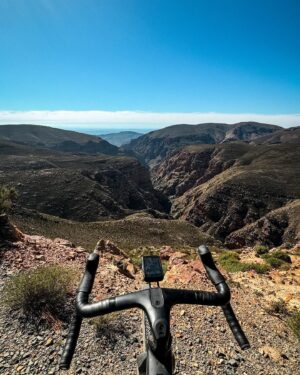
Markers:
point(152, 268)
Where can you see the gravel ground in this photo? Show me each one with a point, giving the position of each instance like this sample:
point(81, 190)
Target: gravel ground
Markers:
point(203, 344)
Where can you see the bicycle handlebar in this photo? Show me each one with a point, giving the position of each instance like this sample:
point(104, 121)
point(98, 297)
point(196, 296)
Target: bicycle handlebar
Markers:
point(141, 299)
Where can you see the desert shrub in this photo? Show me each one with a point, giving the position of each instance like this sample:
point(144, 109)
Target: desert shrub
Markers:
point(258, 293)
point(260, 268)
point(294, 323)
point(277, 259)
point(104, 321)
point(261, 249)
point(278, 307)
point(40, 291)
point(230, 260)
point(274, 262)
point(7, 195)
point(282, 256)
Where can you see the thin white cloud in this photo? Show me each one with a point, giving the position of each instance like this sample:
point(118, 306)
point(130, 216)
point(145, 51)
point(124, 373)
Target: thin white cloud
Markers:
point(137, 119)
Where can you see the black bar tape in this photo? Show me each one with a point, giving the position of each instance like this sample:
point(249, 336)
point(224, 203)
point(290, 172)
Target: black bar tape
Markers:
point(196, 297)
point(213, 273)
point(71, 342)
point(87, 281)
point(235, 327)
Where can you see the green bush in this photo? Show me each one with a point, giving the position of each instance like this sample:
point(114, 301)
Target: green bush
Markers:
point(261, 249)
point(274, 262)
point(40, 291)
point(260, 268)
point(282, 256)
point(294, 323)
point(277, 259)
point(230, 260)
point(7, 195)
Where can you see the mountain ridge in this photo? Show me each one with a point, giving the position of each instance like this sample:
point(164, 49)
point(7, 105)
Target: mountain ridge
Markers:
point(57, 139)
point(156, 145)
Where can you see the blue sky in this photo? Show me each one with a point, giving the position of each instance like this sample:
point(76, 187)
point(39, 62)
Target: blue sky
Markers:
point(149, 57)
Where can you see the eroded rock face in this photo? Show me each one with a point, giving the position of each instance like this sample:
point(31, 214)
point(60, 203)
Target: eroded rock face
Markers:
point(277, 227)
point(231, 190)
point(193, 166)
point(8, 232)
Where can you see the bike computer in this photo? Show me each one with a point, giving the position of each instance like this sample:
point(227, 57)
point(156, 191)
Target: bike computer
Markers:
point(152, 268)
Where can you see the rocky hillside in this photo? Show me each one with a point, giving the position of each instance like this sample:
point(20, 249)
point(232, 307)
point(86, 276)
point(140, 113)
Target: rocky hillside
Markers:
point(202, 341)
point(57, 139)
point(156, 145)
point(290, 135)
point(80, 187)
point(224, 188)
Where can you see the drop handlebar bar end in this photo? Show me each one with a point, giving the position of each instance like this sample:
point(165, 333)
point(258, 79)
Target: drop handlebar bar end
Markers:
point(218, 280)
point(85, 287)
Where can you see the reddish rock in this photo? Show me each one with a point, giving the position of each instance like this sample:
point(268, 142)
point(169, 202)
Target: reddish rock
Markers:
point(166, 252)
point(197, 266)
point(125, 269)
point(177, 258)
point(113, 249)
point(131, 269)
point(60, 241)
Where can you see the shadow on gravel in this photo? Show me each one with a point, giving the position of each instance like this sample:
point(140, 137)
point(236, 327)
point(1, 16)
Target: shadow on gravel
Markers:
point(117, 330)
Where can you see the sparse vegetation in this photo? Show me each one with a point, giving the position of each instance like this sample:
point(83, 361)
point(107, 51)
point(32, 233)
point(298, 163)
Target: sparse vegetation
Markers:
point(7, 196)
point(101, 322)
point(278, 307)
point(261, 249)
point(258, 293)
point(128, 234)
point(277, 259)
point(294, 323)
point(230, 260)
point(164, 264)
point(42, 291)
point(292, 319)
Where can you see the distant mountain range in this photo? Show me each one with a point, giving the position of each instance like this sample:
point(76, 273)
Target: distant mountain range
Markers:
point(56, 139)
point(120, 138)
point(156, 145)
point(238, 183)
